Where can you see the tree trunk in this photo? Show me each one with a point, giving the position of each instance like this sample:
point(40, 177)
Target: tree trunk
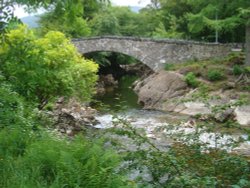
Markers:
point(247, 45)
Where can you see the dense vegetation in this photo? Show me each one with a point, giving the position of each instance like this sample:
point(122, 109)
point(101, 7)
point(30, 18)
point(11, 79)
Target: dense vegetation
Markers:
point(38, 66)
point(212, 21)
point(45, 69)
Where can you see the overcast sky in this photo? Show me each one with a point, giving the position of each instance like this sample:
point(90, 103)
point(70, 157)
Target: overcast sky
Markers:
point(19, 12)
point(140, 3)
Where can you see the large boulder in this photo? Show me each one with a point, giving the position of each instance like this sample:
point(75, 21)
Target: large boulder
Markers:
point(168, 91)
point(157, 89)
point(242, 114)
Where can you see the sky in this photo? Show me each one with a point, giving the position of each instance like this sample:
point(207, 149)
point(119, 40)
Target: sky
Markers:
point(19, 11)
point(140, 3)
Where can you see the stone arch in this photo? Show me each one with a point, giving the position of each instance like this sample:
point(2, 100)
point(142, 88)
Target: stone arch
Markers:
point(151, 52)
point(123, 47)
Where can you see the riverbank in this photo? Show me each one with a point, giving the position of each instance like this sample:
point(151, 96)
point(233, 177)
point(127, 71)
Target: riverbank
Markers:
point(218, 91)
point(154, 144)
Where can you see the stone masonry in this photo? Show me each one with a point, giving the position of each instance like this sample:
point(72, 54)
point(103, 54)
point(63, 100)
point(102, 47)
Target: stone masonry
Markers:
point(155, 53)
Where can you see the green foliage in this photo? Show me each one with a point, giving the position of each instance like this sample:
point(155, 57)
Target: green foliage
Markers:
point(47, 162)
point(11, 109)
point(90, 8)
point(187, 163)
point(203, 18)
point(215, 75)
point(47, 67)
point(168, 66)
point(237, 70)
point(77, 27)
point(14, 111)
point(247, 69)
point(128, 21)
point(235, 59)
point(105, 24)
point(160, 32)
point(66, 17)
point(191, 80)
point(187, 19)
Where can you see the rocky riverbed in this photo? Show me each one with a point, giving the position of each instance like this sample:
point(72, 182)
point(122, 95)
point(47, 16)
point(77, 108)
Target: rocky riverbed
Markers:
point(167, 91)
point(169, 108)
point(161, 128)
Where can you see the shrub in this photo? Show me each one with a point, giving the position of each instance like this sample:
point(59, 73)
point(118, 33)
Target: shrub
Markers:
point(215, 75)
point(169, 66)
point(43, 68)
point(237, 70)
point(49, 162)
point(11, 107)
point(247, 69)
point(191, 80)
point(235, 59)
point(14, 111)
point(190, 161)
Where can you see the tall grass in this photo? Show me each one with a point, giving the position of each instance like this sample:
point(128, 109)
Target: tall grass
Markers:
point(30, 157)
point(50, 162)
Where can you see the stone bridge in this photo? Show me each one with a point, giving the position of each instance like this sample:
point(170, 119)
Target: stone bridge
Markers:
point(153, 52)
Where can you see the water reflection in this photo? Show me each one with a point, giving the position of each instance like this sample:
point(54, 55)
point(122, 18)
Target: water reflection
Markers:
point(121, 98)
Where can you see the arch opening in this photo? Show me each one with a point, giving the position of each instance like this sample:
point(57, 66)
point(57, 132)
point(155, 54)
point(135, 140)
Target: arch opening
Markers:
point(118, 64)
point(117, 73)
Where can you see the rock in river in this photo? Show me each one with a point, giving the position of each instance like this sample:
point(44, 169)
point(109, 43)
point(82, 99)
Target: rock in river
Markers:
point(160, 87)
point(74, 117)
point(242, 114)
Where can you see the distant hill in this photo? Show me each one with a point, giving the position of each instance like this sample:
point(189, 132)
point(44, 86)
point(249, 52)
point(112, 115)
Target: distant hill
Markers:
point(135, 8)
point(31, 21)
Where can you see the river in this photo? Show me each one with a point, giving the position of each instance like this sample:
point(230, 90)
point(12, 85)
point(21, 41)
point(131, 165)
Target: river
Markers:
point(159, 126)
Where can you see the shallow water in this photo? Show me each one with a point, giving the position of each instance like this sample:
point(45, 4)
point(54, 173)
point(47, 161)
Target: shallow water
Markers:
point(121, 98)
point(121, 102)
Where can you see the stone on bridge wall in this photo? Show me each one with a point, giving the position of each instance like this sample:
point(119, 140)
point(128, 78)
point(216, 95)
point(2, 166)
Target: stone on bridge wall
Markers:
point(152, 52)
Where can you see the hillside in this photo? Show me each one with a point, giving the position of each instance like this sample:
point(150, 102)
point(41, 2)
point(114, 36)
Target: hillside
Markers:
point(31, 21)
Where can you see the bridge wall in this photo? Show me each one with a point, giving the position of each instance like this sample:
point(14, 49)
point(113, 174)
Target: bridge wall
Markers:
point(154, 53)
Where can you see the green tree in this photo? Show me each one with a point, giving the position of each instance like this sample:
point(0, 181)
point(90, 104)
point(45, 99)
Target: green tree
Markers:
point(161, 32)
point(150, 18)
point(248, 44)
point(126, 20)
point(71, 16)
point(220, 17)
point(105, 24)
point(245, 13)
point(90, 8)
point(41, 69)
point(66, 17)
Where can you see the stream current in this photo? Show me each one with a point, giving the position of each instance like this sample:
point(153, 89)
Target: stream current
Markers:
point(122, 102)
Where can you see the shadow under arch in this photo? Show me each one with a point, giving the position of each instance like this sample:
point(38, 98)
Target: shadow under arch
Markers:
point(118, 64)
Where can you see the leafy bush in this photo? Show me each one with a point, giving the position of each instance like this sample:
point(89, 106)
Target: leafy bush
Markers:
point(43, 68)
point(168, 66)
point(65, 17)
point(237, 70)
point(191, 80)
point(47, 162)
point(247, 69)
point(189, 162)
point(14, 111)
point(31, 158)
point(11, 107)
point(235, 59)
point(215, 75)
